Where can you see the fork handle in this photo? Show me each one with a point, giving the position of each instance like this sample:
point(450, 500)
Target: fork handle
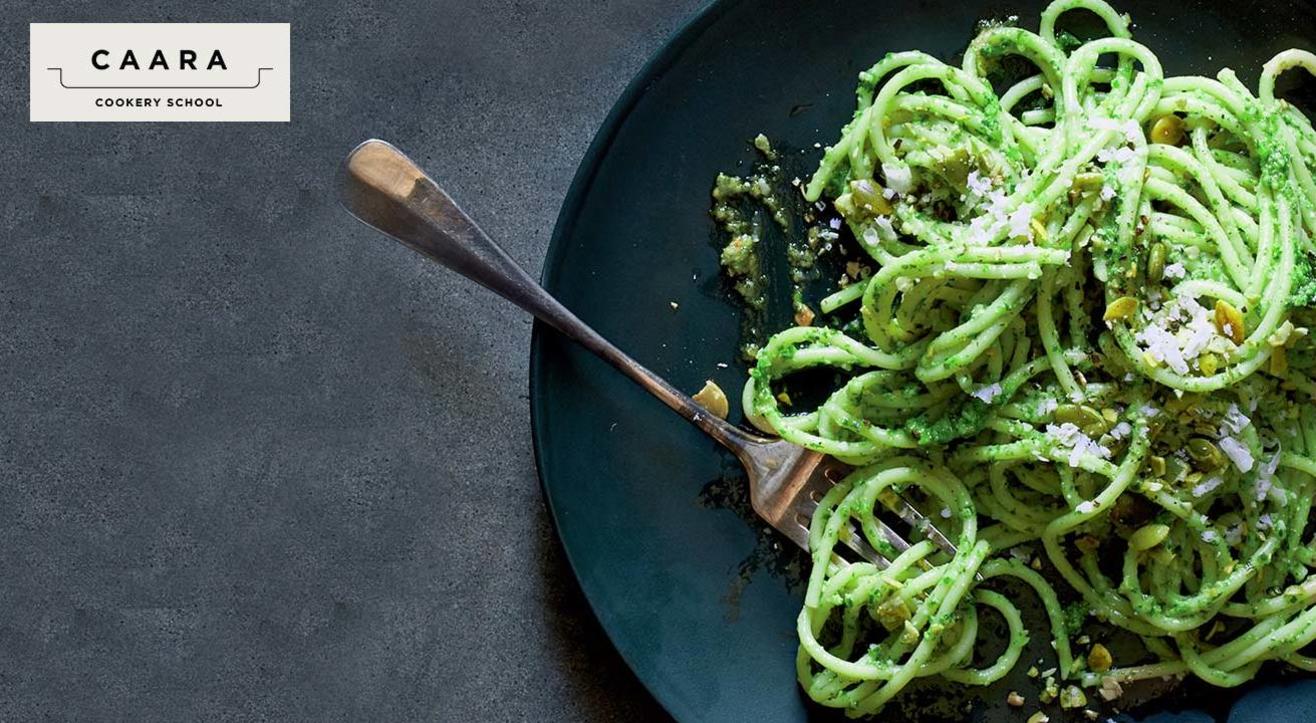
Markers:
point(382, 187)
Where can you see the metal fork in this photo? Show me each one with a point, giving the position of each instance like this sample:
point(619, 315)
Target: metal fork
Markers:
point(387, 191)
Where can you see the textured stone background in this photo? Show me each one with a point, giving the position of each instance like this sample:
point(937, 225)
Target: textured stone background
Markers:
point(256, 462)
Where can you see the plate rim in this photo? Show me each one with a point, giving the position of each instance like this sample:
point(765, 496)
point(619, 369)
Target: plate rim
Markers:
point(672, 47)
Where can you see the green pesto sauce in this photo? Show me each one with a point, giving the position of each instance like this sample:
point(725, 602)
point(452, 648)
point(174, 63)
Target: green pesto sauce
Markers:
point(933, 430)
point(1303, 292)
point(740, 205)
point(739, 257)
point(1067, 41)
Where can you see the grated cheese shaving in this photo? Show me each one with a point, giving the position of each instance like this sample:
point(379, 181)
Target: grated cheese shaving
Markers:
point(1237, 452)
point(987, 393)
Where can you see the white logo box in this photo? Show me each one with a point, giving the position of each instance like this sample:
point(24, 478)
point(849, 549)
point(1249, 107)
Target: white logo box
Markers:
point(180, 72)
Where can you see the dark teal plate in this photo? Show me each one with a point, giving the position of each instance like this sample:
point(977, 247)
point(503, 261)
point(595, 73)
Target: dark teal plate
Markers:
point(691, 592)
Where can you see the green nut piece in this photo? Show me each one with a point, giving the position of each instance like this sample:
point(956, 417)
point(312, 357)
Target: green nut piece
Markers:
point(868, 199)
point(1156, 262)
point(712, 398)
point(1157, 465)
point(1279, 361)
point(1121, 308)
point(1167, 129)
point(1229, 320)
point(1205, 453)
point(1174, 469)
point(1088, 181)
point(1148, 536)
point(1072, 697)
point(1099, 659)
point(1089, 420)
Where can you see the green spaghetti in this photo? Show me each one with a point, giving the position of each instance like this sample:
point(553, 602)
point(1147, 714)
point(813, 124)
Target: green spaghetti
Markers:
point(1086, 335)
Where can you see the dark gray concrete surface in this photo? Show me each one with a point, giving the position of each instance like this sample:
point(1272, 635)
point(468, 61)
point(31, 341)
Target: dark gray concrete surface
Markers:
point(255, 462)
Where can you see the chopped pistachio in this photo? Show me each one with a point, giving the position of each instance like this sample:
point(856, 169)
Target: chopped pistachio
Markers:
point(1167, 129)
point(1286, 331)
point(867, 198)
point(1174, 467)
point(1110, 688)
point(1038, 717)
point(1092, 422)
point(1050, 691)
point(1279, 361)
point(1157, 465)
point(1121, 308)
point(712, 398)
point(1072, 697)
point(1099, 659)
point(910, 634)
point(1088, 181)
point(893, 613)
point(803, 315)
point(1145, 538)
point(1205, 452)
point(1039, 231)
point(1229, 321)
point(1209, 363)
point(1014, 699)
point(1156, 262)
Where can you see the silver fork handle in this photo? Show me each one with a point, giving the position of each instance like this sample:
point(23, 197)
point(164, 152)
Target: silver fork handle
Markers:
point(387, 191)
